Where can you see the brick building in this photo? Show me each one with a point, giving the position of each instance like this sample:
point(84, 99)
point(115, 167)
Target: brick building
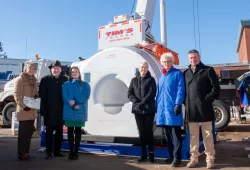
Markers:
point(243, 47)
point(243, 50)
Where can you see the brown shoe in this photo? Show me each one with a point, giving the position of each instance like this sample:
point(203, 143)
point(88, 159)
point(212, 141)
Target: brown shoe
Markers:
point(23, 157)
point(192, 164)
point(210, 164)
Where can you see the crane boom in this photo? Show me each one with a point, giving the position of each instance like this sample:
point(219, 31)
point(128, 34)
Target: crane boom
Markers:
point(145, 9)
point(128, 30)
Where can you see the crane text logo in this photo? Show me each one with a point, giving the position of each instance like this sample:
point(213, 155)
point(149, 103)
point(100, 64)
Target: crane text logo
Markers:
point(119, 32)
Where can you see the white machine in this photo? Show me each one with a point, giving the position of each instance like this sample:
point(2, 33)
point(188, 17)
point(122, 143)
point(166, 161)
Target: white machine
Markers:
point(109, 72)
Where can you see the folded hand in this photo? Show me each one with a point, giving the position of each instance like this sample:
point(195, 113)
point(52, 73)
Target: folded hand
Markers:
point(71, 102)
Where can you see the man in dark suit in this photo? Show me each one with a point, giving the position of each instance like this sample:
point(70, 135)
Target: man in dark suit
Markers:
point(202, 88)
point(50, 91)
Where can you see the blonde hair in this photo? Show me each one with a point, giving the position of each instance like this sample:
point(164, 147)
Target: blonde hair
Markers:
point(29, 64)
point(167, 55)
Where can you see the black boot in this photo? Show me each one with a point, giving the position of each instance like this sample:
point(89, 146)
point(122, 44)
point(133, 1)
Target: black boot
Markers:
point(71, 155)
point(76, 156)
point(151, 157)
point(144, 157)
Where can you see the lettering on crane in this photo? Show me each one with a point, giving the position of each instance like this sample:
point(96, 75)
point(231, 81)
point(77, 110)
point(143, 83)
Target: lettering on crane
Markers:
point(7, 75)
point(119, 32)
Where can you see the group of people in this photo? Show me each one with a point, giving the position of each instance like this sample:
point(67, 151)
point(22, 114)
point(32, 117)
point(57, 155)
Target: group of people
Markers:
point(64, 101)
point(197, 87)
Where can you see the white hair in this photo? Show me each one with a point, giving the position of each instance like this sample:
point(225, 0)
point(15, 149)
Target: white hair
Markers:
point(167, 55)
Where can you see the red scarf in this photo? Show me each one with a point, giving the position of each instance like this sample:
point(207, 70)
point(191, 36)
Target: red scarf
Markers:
point(164, 71)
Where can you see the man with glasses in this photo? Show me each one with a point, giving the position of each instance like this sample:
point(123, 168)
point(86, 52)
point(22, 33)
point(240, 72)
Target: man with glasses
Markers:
point(171, 93)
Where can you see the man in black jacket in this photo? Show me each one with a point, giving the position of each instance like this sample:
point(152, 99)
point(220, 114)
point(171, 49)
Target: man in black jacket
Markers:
point(202, 88)
point(141, 93)
point(50, 91)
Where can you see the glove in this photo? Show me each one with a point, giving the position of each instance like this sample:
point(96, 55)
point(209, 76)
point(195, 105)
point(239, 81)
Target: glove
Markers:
point(141, 106)
point(36, 96)
point(177, 109)
point(26, 108)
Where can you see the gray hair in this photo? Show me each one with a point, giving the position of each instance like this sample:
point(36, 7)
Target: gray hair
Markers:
point(167, 55)
point(144, 63)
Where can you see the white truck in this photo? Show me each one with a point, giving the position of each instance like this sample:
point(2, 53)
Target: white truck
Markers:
point(9, 69)
point(7, 103)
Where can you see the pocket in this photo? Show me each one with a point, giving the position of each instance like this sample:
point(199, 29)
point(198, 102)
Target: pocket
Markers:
point(201, 98)
point(201, 107)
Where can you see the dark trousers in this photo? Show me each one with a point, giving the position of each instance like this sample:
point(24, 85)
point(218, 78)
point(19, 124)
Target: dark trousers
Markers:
point(74, 138)
point(173, 135)
point(25, 132)
point(54, 139)
point(145, 127)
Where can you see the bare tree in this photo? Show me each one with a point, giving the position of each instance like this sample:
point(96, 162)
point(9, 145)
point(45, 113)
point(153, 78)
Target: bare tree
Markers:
point(1, 50)
point(1, 47)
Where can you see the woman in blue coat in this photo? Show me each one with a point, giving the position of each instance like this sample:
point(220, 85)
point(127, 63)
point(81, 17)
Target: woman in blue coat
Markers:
point(75, 111)
point(171, 93)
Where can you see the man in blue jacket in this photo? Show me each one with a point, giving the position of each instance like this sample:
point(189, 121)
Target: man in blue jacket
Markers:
point(171, 93)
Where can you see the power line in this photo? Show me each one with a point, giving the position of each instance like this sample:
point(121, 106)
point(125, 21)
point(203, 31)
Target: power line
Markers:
point(198, 25)
point(194, 26)
point(25, 48)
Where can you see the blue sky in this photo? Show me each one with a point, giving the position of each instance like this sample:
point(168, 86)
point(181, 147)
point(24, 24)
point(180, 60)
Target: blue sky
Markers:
point(65, 30)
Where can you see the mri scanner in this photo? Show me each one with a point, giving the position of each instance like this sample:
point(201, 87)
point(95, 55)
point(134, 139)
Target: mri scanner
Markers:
point(122, 47)
point(109, 73)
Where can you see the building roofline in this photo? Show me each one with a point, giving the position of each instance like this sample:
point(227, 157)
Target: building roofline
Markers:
point(218, 65)
point(243, 23)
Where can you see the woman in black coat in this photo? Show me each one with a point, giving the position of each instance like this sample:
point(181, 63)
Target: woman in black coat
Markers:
point(141, 93)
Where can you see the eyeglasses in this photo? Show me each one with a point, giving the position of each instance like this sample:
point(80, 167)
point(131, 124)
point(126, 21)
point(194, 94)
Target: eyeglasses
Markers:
point(167, 61)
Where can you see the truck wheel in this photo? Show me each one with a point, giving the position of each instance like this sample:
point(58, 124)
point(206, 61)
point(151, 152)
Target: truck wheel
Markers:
point(7, 112)
point(247, 109)
point(222, 115)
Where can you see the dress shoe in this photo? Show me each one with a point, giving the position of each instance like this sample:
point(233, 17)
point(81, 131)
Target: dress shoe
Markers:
point(151, 158)
point(176, 163)
point(48, 156)
point(168, 160)
point(71, 156)
point(143, 159)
